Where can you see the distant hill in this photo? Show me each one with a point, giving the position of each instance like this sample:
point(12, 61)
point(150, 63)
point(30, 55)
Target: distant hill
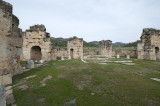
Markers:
point(131, 44)
point(118, 43)
point(94, 42)
point(62, 42)
point(59, 42)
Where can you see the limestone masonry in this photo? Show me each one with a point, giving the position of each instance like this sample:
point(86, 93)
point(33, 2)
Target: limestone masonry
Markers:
point(36, 44)
point(148, 47)
point(124, 51)
point(105, 48)
point(10, 44)
point(75, 47)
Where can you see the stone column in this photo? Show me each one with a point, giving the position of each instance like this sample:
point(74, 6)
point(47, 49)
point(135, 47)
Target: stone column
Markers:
point(2, 96)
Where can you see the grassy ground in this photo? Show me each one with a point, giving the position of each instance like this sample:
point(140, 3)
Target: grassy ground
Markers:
point(87, 49)
point(23, 63)
point(91, 84)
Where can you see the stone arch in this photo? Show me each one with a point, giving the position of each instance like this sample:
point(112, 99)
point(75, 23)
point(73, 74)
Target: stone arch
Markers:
point(36, 53)
point(71, 52)
point(157, 53)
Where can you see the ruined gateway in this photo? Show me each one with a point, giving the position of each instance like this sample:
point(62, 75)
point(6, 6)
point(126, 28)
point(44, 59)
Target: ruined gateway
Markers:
point(36, 44)
point(10, 44)
point(75, 47)
point(148, 47)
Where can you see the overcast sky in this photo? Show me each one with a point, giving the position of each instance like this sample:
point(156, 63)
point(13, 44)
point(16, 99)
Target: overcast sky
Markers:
point(116, 20)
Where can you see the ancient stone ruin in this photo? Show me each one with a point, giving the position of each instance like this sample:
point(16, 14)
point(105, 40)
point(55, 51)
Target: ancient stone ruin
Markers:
point(105, 48)
point(148, 47)
point(75, 47)
point(124, 51)
point(36, 44)
point(10, 44)
point(62, 53)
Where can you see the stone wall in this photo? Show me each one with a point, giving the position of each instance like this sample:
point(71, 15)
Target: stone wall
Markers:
point(62, 53)
point(36, 44)
point(75, 47)
point(91, 53)
point(54, 54)
point(148, 47)
point(10, 43)
point(105, 48)
point(123, 51)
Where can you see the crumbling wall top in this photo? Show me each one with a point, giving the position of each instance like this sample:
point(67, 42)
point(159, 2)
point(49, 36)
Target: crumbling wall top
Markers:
point(15, 20)
point(37, 28)
point(150, 31)
point(6, 7)
point(106, 42)
point(48, 35)
point(74, 38)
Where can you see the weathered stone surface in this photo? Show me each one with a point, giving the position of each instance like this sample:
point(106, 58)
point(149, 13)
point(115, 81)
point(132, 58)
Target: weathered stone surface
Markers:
point(43, 82)
point(37, 28)
point(8, 88)
point(62, 52)
point(9, 95)
point(92, 94)
point(156, 79)
point(29, 77)
point(128, 56)
point(36, 44)
point(62, 58)
point(71, 103)
point(105, 48)
point(8, 92)
point(148, 47)
point(41, 100)
point(2, 96)
point(69, 57)
point(10, 99)
point(123, 51)
point(91, 53)
point(6, 79)
point(41, 61)
point(75, 47)
point(23, 87)
point(10, 41)
point(118, 56)
point(130, 64)
point(30, 64)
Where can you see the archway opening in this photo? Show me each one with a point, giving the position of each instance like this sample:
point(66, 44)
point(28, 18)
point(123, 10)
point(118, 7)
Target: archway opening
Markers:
point(157, 53)
point(71, 52)
point(36, 53)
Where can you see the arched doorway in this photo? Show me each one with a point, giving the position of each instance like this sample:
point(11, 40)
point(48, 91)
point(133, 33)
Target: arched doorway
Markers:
point(36, 53)
point(157, 53)
point(71, 53)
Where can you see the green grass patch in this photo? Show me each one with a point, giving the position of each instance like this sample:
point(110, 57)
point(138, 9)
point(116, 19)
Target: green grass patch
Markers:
point(112, 84)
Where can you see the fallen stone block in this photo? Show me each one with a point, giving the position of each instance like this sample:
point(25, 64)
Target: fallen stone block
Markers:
point(2, 96)
point(30, 64)
point(156, 79)
point(6, 79)
point(71, 103)
point(10, 99)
